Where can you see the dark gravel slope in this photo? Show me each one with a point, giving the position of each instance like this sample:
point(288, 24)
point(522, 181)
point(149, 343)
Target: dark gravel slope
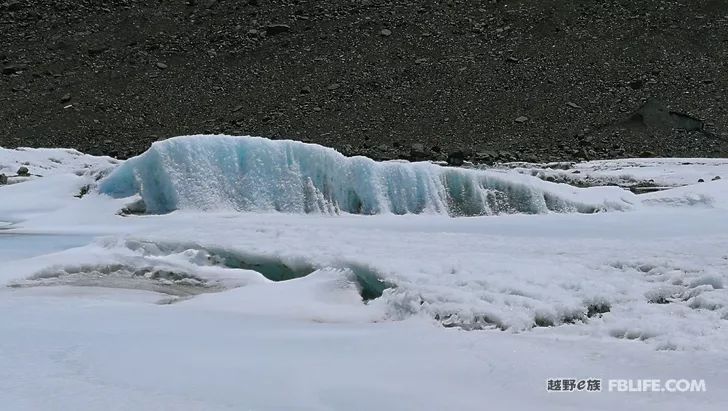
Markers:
point(498, 80)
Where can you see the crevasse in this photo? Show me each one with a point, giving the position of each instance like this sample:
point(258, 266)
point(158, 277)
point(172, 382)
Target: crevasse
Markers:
point(215, 173)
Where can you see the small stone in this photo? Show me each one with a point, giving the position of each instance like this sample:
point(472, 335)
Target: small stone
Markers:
point(505, 156)
point(237, 108)
point(512, 59)
point(23, 172)
point(521, 119)
point(417, 152)
point(484, 156)
point(97, 49)
point(305, 90)
point(317, 109)
point(700, 180)
point(716, 178)
point(66, 98)
point(3, 179)
point(456, 158)
point(275, 29)
point(573, 105)
point(161, 66)
point(11, 6)
point(253, 32)
point(334, 86)
point(11, 69)
point(385, 33)
point(636, 84)
point(421, 61)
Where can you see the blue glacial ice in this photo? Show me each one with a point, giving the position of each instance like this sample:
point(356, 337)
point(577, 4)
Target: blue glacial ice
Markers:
point(218, 173)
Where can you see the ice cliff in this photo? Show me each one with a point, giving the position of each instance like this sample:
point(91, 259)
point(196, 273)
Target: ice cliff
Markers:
point(213, 173)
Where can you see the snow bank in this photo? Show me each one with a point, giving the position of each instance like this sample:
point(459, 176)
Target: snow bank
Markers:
point(712, 194)
point(45, 162)
point(256, 174)
point(658, 172)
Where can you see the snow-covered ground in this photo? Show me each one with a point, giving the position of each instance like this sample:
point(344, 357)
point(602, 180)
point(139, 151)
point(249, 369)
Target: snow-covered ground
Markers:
point(636, 173)
point(232, 305)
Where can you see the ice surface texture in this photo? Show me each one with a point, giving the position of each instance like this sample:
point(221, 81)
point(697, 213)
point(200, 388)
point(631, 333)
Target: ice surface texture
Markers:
point(255, 174)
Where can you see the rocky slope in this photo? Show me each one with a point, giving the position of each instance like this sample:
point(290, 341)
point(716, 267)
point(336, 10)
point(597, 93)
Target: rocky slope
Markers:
point(493, 80)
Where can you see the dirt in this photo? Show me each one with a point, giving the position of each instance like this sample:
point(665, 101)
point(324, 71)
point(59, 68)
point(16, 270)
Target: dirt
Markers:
point(531, 80)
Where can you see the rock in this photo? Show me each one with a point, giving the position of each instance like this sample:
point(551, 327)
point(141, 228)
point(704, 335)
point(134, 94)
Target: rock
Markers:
point(275, 29)
point(521, 119)
point(700, 180)
point(236, 108)
point(654, 114)
point(505, 156)
point(97, 49)
point(647, 154)
point(421, 61)
point(573, 105)
point(332, 87)
point(161, 66)
point(456, 158)
point(11, 6)
point(484, 157)
point(716, 178)
point(66, 98)
point(12, 69)
point(305, 90)
point(512, 59)
point(3, 179)
point(385, 33)
point(137, 207)
point(417, 152)
point(636, 84)
point(23, 172)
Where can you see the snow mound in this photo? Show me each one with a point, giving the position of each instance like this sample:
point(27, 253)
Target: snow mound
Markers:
point(46, 162)
point(712, 194)
point(213, 173)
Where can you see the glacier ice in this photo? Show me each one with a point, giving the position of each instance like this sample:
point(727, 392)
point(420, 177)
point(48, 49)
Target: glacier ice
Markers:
point(215, 173)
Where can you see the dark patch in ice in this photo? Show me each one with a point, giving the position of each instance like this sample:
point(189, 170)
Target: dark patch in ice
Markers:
point(470, 323)
point(164, 281)
point(83, 191)
point(631, 334)
point(369, 282)
point(658, 299)
point(596, 309)
point(591, 310)
point(702, 303)
point(269, 267)
point(135, 208)
point(543, 321)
